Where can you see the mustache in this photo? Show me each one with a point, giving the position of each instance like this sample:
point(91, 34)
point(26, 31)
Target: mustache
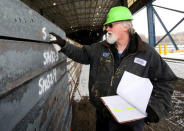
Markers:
point(111, 38)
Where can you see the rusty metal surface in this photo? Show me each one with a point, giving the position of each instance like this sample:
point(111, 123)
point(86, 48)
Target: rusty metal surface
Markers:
point(35, 85)
point(19, 21)
point(22, 105)
point(42, 112)
point(34, 82)
point(21, 61)
point(35, 90)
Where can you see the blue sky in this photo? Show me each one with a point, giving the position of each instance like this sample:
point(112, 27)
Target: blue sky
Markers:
point(169, 18)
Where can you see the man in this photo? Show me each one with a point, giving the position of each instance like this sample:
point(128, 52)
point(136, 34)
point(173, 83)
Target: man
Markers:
point(123, 51)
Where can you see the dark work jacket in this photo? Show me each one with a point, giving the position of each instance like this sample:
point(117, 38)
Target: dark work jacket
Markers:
point(103, 80)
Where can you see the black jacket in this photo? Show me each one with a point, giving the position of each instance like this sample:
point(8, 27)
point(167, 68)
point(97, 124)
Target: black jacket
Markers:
point(103, 80)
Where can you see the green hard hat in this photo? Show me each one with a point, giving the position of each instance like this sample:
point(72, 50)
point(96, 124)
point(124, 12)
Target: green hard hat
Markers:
point(118, 13)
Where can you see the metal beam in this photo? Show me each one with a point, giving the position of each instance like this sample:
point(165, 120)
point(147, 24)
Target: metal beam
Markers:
point(179, 11)
point(151, 24)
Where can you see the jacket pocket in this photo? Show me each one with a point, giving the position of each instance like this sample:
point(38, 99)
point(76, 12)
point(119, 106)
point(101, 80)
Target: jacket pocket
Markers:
point(98, 90)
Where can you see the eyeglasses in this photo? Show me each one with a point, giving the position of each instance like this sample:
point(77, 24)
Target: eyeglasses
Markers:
point(108, 25)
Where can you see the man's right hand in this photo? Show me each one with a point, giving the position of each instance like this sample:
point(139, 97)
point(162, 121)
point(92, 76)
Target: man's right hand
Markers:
point(60, 41)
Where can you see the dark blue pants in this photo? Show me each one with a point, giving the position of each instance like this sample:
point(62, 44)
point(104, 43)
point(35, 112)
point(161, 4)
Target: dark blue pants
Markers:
point(109, 124)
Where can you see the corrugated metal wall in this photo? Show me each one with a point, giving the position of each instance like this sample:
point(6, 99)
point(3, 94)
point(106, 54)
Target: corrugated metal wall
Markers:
point(36, 83)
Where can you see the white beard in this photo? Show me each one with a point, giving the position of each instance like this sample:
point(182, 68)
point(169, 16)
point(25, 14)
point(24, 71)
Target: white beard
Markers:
point(111, 39)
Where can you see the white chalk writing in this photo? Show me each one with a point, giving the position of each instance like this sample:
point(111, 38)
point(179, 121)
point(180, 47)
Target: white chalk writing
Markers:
point(44, 33)
point(46, 82)
point(50, 57)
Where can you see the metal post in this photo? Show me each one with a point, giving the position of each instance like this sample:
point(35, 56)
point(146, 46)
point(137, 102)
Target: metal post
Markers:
point(160, 49)
point(151, 24)
point(165, 49)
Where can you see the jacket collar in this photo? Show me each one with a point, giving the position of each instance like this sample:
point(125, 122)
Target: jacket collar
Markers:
point(135, 44)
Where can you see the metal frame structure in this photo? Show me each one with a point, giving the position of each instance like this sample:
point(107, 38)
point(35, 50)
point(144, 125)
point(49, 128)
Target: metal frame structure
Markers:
point(151, 25)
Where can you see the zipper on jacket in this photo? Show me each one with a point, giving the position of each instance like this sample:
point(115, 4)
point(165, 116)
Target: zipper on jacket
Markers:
point(113, 72)
point(112, 78)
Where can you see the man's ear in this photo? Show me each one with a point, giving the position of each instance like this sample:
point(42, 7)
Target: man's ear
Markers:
point(126, 27)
